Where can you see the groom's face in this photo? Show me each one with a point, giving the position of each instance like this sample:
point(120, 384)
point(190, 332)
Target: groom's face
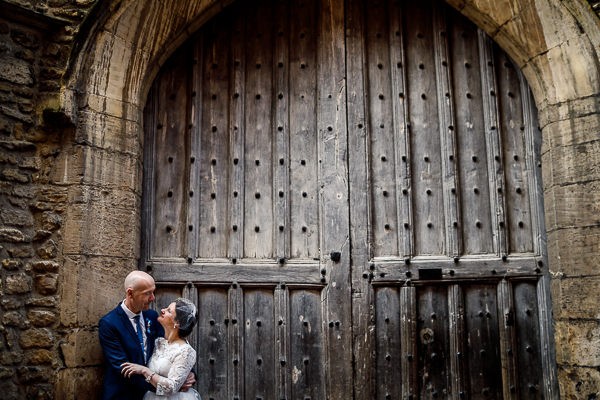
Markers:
point(141, 296)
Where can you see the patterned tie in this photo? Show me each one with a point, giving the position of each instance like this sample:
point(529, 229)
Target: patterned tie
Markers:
point(138, 327)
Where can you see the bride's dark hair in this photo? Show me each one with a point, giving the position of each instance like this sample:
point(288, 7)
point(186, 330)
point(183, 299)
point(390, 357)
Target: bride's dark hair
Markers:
point(185, 316)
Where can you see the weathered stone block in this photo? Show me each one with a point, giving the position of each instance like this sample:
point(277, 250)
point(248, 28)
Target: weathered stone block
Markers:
point(11, 357)
point(11, 303)
point(41, 234)
point(10, 391)
point(15, 175)
point(579, 383)
point(81, 349)
point(12, 217)
point(41, 318)
point(14, 318)
point(40, 357)
point(17, 284)
point(6, 372)
point(45, 266)
point(573, 129)
point(46, 284)
point(47, 250)
point(576, 205)
point(85, 382)
point(20, 251)
point(11, 265)
point(51, 221)
point(40, 391)
point(578, 342)
point(16, 71)
point(82, 276)
point(572, 163)
point(12, 235)
point(107, 168)
point(41, 338)
point(575, 249)
point(96, 229)
point(34, 374)
point(42, 302)
point(119, 134)
point(579, 298)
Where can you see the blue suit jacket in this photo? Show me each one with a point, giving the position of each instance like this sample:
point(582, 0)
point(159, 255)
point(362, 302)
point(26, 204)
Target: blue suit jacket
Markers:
point(120, 344)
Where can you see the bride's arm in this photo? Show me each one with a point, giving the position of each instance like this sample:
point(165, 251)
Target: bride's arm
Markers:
point(176, 377)
point(129, 369)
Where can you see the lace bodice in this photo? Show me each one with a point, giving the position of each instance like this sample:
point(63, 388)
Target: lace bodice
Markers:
point(173, 362)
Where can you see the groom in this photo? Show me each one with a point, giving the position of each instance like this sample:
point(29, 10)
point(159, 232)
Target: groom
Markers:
point(127, 334)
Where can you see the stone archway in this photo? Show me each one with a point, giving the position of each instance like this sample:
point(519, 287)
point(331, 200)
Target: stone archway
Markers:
point(555, 44)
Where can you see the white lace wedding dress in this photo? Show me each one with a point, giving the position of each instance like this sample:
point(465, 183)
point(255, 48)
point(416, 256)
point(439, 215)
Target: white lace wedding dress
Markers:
point(173, 363)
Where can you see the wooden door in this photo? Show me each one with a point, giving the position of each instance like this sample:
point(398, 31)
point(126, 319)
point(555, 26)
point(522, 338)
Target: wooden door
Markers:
point(246, 199)
point(448, 258)
point(350, 192)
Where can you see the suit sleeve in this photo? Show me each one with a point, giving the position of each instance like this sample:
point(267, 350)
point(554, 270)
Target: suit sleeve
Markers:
point(115, 354)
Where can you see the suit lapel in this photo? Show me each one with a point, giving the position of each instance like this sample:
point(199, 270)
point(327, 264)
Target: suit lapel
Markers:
point(128, 326)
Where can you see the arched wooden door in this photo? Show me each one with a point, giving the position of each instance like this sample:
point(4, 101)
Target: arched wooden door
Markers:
point(350, 191)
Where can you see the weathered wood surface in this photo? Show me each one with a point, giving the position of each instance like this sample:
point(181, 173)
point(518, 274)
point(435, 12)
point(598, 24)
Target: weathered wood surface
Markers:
point(350, 191)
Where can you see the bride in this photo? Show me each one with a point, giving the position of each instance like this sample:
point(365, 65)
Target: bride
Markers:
point(173, 357)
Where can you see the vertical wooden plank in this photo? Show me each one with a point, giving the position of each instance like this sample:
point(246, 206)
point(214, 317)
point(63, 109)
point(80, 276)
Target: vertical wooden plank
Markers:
point(333, 195)
point(381, 130)
point(517, 180)
point(303, 137)
point(213, 347)
point(401, 122)
point(195, 128)
point(546, 336)
point(508, 350)
point(489, 93)
point(528, 350)
point(237, 160)
point(165, 295)
point(281, 138)
point(447, 131)
point(458, 347)
point(258, 228)
point(533, 143)
point(190, 292)
point(169, 232)
point(428, 206)
point(259, 351)
point(389, 354)
point(307, 346)
point(408, 346)
point(473, 159)
point(283, 337)
point(235, 337)
point(481, 309)
point(215, 165)
point(148, 200)
point(360, 205)
point(433, 347)
point(478, 227)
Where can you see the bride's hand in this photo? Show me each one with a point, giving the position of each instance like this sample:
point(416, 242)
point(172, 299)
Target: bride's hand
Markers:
point(128, 369)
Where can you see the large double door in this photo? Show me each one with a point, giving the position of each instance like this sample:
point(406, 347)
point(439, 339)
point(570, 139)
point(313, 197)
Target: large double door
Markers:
point(350, 192)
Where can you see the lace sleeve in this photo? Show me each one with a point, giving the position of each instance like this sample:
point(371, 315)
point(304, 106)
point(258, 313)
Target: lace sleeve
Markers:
point(178, 372)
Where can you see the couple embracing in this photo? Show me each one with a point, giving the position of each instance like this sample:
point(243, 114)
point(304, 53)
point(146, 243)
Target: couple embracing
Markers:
point(146, 354)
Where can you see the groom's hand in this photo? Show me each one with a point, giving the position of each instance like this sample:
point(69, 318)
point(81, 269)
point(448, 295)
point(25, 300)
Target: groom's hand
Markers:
point(189, 382)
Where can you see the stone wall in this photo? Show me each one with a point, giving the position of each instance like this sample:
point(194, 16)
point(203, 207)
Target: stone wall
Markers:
point(59, 174)
point(35, 45)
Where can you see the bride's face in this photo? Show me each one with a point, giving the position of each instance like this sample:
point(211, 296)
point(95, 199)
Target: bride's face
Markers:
point(167, 316)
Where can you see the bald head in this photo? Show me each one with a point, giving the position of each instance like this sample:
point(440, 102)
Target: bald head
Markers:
point(139, 291)
point(135, 279)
